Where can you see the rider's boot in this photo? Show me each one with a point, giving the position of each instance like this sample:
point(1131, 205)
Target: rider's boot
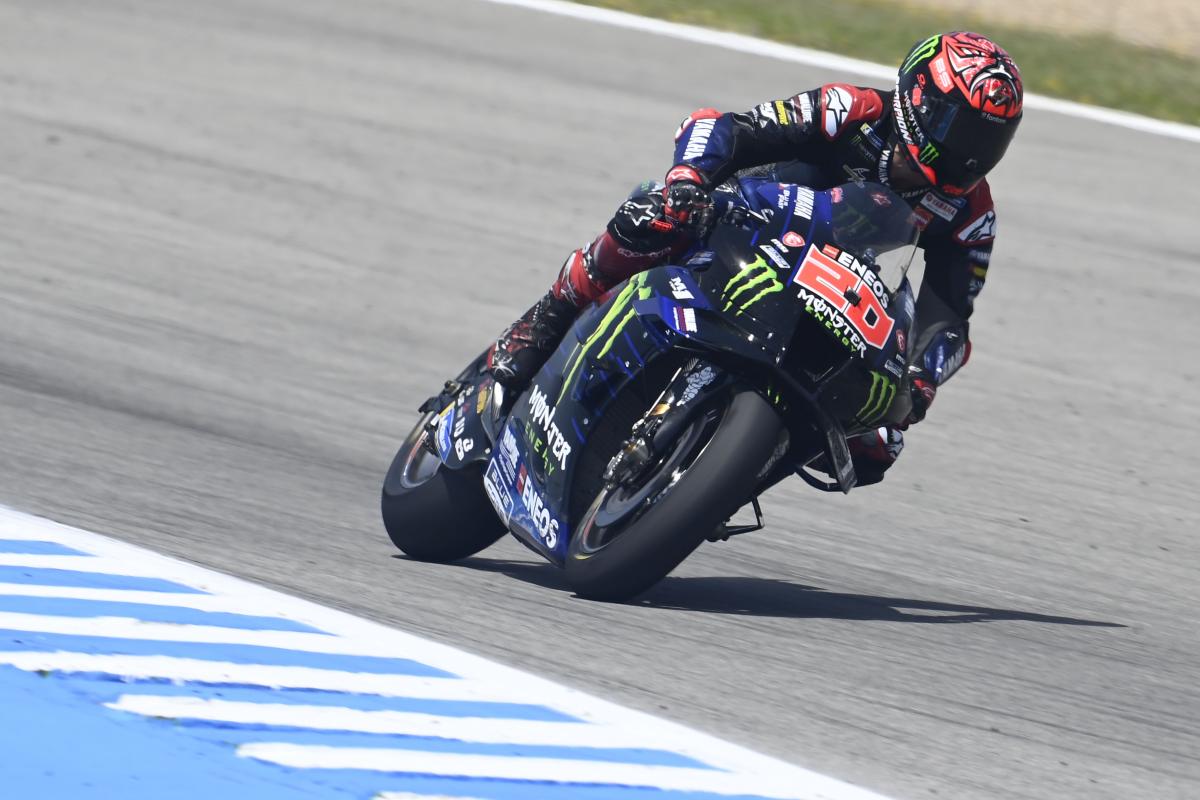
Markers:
point(526, 344)
point(874, 452)
point(585, 276)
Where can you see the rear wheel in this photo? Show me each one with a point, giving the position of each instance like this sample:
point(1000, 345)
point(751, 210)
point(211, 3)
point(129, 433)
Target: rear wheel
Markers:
point(632, 536)
point(433, 513)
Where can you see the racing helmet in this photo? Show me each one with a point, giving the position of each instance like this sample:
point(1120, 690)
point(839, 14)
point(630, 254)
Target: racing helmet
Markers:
point(957, 104)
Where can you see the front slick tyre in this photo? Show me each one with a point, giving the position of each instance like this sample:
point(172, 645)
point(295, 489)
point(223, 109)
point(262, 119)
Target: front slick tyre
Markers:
point(433, 513)
point(720, 479)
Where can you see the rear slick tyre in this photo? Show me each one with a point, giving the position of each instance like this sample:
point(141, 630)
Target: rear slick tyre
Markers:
point(721, 478)
point(433, 513)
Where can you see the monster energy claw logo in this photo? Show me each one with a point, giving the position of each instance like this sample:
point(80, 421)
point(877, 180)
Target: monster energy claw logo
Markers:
point(883, 392)
point(924, 50)
point(755, 281)
point(619, 315)
point(929, 153)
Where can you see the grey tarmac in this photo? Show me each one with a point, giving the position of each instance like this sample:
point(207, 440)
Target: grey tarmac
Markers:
point(241, 240)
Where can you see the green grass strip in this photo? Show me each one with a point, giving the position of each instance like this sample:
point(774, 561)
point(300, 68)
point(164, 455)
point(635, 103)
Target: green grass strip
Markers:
point(1098, 70)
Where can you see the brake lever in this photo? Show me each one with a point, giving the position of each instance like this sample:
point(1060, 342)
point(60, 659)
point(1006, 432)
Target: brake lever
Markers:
point(741, 215)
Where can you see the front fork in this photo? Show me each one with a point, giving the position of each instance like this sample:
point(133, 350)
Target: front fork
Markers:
point(652, 436)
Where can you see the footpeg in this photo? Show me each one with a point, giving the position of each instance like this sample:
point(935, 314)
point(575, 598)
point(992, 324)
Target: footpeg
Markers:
point(437, 403)
point(725, 530)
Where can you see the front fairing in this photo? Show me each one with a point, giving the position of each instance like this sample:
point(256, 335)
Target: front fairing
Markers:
point(529, 476)
point(837, 259)
point(530, 473)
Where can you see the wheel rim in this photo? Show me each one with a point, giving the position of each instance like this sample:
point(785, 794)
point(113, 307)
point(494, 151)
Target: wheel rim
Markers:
point(420, 464)
point(615, 508)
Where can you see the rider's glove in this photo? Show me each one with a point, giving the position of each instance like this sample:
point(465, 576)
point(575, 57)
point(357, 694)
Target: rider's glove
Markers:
point(640, 225)
point(687, 203)
point(922, 390)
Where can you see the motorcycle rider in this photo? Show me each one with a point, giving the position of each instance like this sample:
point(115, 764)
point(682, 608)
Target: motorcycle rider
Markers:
point(955, 107)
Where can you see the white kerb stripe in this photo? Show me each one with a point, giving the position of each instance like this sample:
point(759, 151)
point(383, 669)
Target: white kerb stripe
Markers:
point(218, 672)
point(517, 768)
point(332, 718)
point(127, 628)
point(819, 58)
point(75, 563)
point(198, 602)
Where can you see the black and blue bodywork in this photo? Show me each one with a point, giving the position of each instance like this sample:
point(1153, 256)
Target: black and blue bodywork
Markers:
point(738, 308)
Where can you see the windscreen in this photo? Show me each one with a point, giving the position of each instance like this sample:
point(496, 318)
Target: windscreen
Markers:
point(877, 226)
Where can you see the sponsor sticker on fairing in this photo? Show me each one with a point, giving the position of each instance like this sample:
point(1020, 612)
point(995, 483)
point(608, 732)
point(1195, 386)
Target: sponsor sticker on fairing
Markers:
point(773, 254)
point(804, 201)
point(539, 514)
point(463, 446)
point(679, 289)
point(501, 499)
point(444, 429)
point(685, 319)
point(541, 414)
point(508, 454)
point(695, 382)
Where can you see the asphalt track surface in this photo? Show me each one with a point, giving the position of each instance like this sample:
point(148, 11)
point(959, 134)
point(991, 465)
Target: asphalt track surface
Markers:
point(240, 241)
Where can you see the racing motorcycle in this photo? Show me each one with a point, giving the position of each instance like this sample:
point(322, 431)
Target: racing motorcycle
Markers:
point(679, 399)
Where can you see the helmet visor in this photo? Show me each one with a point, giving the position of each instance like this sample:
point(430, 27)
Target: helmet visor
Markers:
point(963, 144)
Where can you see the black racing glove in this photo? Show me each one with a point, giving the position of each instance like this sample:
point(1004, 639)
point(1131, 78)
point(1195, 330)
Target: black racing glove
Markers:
point(922, 390)
point(640, 224)
point(688, 204)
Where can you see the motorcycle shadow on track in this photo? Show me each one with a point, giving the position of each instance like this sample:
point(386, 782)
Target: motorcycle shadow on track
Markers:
point(771, 597)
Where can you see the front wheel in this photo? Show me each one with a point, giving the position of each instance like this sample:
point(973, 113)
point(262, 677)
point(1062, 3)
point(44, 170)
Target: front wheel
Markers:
point(433, 513)
point(633, 536)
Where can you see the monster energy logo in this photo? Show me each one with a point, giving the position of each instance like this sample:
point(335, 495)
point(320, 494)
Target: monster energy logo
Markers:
point(924, 50)
point(619, 315)
point(928, 154)
point(883, 392)
point(755, 281)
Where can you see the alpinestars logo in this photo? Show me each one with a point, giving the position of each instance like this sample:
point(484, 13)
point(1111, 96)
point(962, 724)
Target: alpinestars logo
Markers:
point(755, 281)
point(981, 229)
point(638, 212)
point(837, 108)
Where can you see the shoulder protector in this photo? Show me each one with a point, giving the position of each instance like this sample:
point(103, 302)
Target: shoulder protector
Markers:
point(980, 227)
point(843, 105)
